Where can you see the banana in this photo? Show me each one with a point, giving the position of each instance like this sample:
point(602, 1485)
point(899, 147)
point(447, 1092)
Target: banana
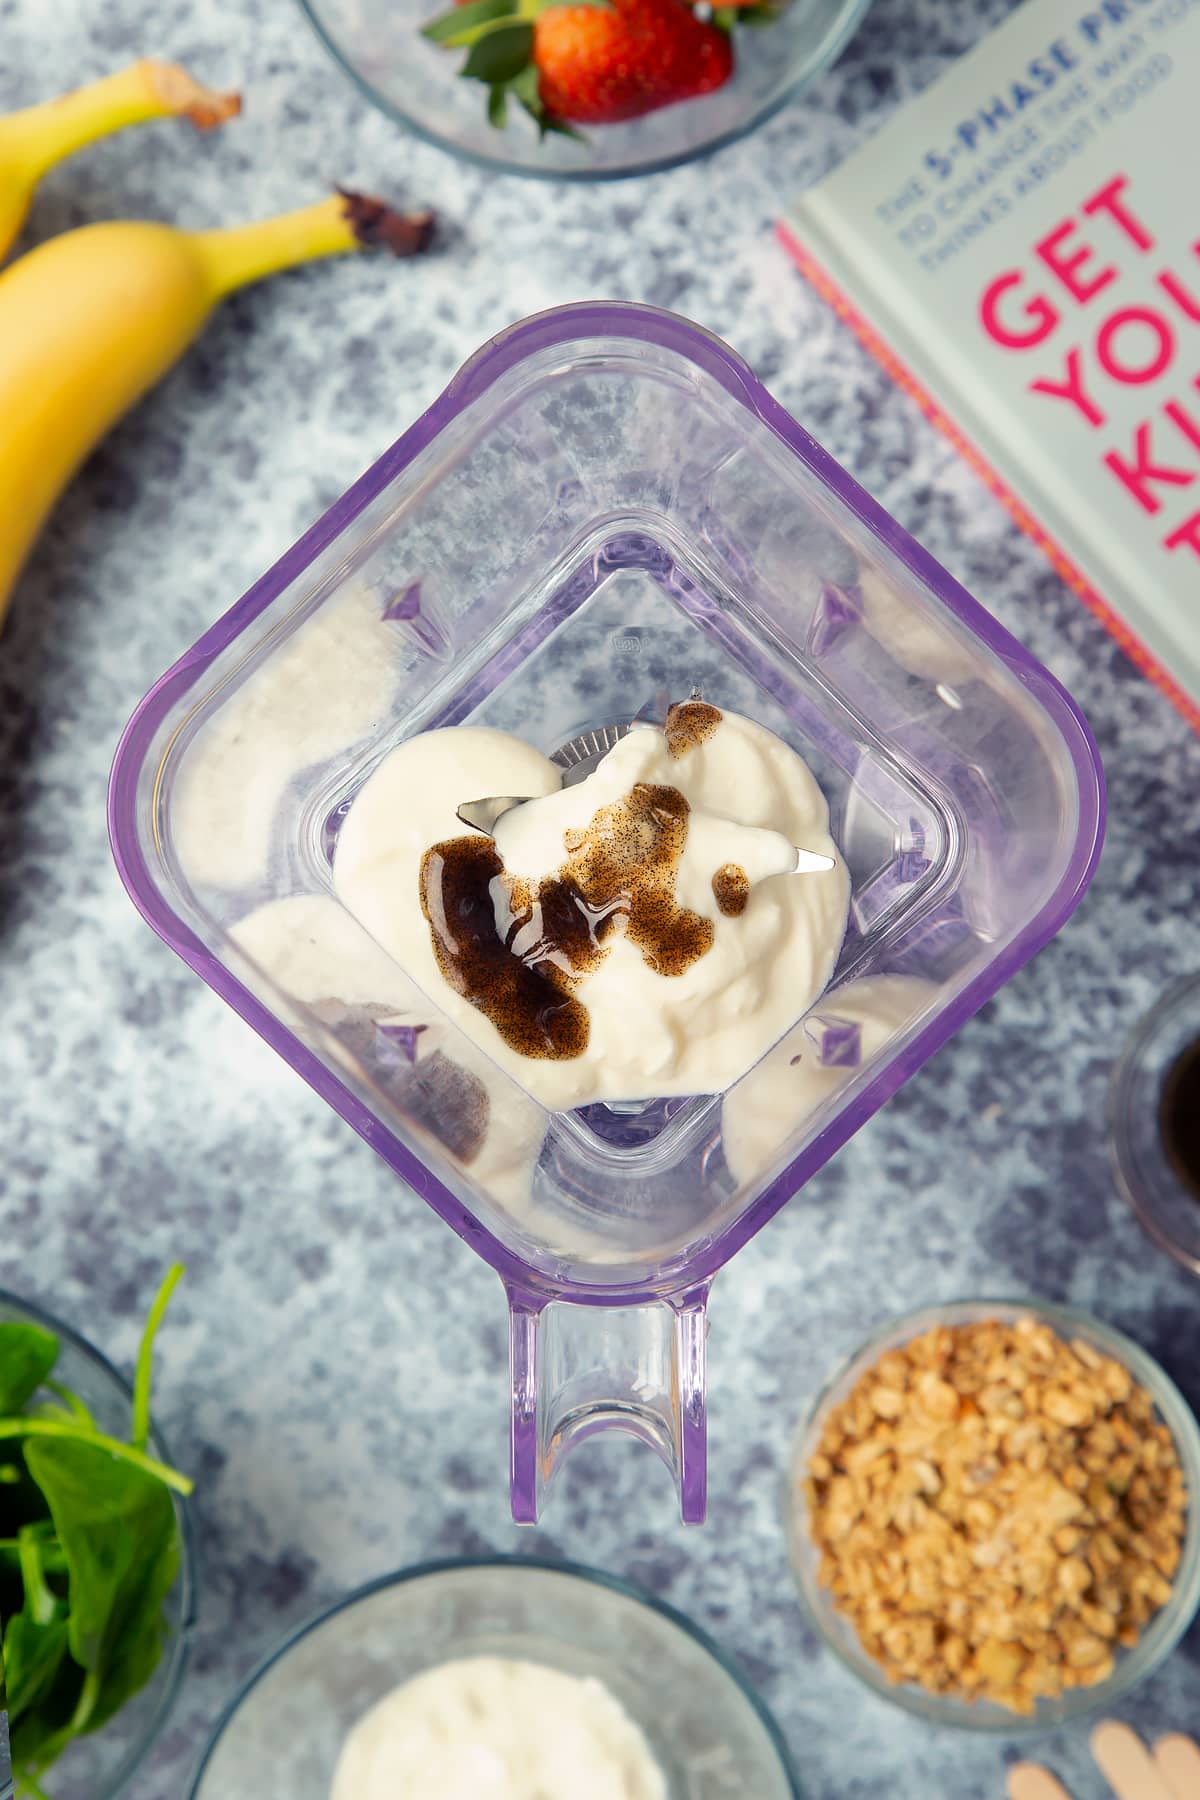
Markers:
point(34, 139)
point(90, 320)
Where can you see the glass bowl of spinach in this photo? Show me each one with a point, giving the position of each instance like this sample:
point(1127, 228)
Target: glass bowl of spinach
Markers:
point(97, 1558)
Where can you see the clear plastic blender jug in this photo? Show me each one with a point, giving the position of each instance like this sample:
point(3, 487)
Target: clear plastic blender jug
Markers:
point(603, 506)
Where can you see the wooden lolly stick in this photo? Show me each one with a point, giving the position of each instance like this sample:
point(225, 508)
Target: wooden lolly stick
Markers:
point(1126, 1764)
point(1177, 1760)
point(1029, 1781)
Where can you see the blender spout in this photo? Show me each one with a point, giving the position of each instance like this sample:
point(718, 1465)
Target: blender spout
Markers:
point(577, 1369)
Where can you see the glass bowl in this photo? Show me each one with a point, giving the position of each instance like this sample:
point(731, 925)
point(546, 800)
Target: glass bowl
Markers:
point(379, 45)
point(1165, 1205)
point(99, 1766)
point(1165, 1628)
point(282, 1733)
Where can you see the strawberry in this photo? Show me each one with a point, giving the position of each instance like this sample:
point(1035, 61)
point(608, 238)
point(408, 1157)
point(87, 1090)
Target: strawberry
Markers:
point(588, 62)
point(597, 67)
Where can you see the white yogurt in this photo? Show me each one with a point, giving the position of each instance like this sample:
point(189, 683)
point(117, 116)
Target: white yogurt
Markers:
point(494, 1728)
point(751, 799)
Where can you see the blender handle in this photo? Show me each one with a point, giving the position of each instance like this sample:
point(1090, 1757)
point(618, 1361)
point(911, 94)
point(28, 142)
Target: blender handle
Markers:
point(578, 1369)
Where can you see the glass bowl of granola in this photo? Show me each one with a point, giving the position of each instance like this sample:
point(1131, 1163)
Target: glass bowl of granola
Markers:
point(992, 1514)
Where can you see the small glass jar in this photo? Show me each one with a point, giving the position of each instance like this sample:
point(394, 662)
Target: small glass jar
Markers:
point(1151, 1182)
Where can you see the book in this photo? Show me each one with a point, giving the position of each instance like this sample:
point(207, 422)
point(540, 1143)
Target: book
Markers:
point(1020, 246)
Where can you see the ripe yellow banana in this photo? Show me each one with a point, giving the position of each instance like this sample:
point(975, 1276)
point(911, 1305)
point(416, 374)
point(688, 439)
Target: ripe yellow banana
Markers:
point(90, 320)
point(37, 137)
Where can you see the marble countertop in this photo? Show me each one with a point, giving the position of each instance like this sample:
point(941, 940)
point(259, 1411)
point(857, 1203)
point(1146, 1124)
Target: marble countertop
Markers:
point(334, 1369)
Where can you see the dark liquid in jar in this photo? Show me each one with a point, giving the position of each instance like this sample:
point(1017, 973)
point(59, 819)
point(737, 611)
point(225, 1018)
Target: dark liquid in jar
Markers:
point(1179, 1117)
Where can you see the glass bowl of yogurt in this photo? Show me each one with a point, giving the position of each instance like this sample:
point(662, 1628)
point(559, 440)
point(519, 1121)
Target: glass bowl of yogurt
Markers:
point(503, 1678)
point(608, 577)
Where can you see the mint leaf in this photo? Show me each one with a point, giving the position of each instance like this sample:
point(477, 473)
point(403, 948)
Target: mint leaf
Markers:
point(503, 50)
point(27, 1355)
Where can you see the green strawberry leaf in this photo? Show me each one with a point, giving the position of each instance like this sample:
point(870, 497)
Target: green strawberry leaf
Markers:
point(456, 26)
point(525, 87)
point(27, 1355)
point(501, 52)
point(497, 106)
point(562, 127)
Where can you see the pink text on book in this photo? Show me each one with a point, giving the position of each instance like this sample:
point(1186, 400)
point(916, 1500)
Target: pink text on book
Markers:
point(1134, 345)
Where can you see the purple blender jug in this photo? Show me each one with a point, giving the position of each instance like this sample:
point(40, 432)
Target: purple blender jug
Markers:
point(603, 505)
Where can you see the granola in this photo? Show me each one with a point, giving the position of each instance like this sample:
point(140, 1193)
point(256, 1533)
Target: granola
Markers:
point(996, 1511)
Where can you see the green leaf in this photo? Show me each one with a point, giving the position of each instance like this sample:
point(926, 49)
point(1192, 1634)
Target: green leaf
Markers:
point(71, 1403)
point(497, 106)
point(525, 87)
point(27, 1355)
point(501, 52)
point(562, 127)
point(71, 1432)
point(143, 1373)
point(115, 1524)
point(45, 1728)
point(455, 26)
point(33, 1653)
point(40, 1603)
point(27, 1788)
point(139, 1648)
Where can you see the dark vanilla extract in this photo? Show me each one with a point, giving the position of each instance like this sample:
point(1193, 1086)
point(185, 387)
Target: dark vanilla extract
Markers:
point(1179, 1117)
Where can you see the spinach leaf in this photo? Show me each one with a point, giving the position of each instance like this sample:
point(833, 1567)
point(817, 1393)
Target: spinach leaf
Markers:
point(114, 1524)
point(43, 1729)
point(27, 1355)
point(89, 1550)
point(139, 1432)
point(32, 1655)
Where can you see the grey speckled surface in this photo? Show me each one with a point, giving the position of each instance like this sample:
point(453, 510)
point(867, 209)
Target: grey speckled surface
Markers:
point(334, 1373)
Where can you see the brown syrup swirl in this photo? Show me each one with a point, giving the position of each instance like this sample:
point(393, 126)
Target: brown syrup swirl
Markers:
point(731, 889)
point(526, 995)
point(625, 863)
point(690, 723)
point(516, 949)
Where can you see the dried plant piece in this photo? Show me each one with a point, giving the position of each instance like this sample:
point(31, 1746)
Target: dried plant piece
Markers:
point(996, 1511)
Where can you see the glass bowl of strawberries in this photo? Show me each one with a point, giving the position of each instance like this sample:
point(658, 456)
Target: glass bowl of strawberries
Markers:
point(583, 89)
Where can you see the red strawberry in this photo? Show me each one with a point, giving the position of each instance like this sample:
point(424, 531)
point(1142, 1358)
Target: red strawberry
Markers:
point(597, 66)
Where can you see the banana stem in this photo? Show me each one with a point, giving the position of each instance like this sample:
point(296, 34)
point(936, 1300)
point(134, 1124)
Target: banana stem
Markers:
point(40, 136)
point(240, 254)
